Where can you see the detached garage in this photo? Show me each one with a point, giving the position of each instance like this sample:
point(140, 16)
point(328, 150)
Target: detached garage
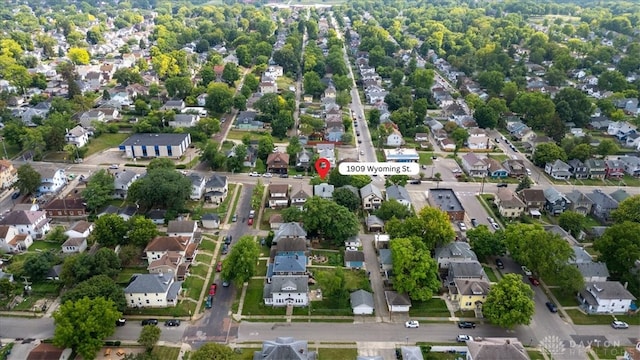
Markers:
point(362, 302)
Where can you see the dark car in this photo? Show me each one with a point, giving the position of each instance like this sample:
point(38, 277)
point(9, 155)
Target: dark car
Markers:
point(121, 322)
point(172, 322)
point(15, 195)
point(499, 264)
point(227, 239)
point(534, 281)
point(225, 249)
point(552, 307)
point(466, 325)
point(474, 222)
point(149, 322)
point(502, 185)
point(284, 176)
point(415, 182)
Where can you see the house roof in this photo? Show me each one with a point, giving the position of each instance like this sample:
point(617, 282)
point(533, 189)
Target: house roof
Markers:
point(128, 210)
point(278, 188)
point(353, 256)
point(580, 255)
point(559, 165)
point(370, 189)
point(170, 259)
point(290, 229)
point(48, 172)
point(301, 193)
point(361, 297)
point(181, 226)
point(162, 139)
point(466, 269)
point(289, 263)
point(497, 349)
point(472, 159)
point(472, 287)
point(576, 197)
point(398, 193)
point(65, 204)
point(81, 226)
point(374, 220)
point(385, 256)
point(411, 353)
point(508, 199)
point(149, 283)
point(532, 195)
point(156, 214)
point(22, 217)
point(619, 195)
point(593, 269)
point(285, 348)
point(445, 200)
point(74, 241)
point(45, 351)
point(278, 158)
point(216, 181)
point(552, 195)
point(123, 178)
point(609, 290)
point(323, 189)
point(211, 216)
point(167, 243)
point(110, 209)
point(456, 249)
point(603, 200)
point(394, 298)
point(299, 283)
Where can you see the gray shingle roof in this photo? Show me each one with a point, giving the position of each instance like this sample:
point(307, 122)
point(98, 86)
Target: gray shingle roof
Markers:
point(552, 195)
point(299, 284)
point(291, 229)
point(411, 353)
point(285, 348)
point(385, 256)
point(289, 263)
point(370, 189)
point(361, 297)
point(398, 193)
point(497, 349)
point(456, 249)
point(591, 269)
point(149, 283)
point(609, 290)
point(180, 226)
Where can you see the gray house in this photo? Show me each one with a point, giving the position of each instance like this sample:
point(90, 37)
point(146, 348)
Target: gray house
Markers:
point(579, 202)
point(578, 169)
point(556, 202)
point(400, 194)
point(603, 205)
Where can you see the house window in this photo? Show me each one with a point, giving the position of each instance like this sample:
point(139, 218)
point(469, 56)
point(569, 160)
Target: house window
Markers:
point(144, 151)
point(169, 151)
point(132, 301)
point(147, 301)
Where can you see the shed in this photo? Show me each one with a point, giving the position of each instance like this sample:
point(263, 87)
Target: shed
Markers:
point(362, 302)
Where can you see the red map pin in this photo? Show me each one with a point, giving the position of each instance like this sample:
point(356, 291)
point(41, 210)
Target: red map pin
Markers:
point(322, 167)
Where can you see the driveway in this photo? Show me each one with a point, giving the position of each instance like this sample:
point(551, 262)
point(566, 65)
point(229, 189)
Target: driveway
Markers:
point(375, 278)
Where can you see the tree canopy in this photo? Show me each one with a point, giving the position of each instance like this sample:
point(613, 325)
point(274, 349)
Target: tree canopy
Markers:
point(415, 272)
point(161, 187)
point(240, 265)
point(509, 302)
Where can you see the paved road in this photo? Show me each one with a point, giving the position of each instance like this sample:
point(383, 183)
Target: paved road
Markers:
point(216, 325)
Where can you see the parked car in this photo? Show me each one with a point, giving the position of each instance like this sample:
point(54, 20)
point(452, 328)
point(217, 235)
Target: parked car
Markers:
point(412, 324)
point(284, 176)
point(149, 322)
point(250, 222)
point(495, 226)
point(526, 270)
point(15, 195)
point(227, 239)
point(415, 182)
point(462, 226)
point(499, 264)
point(297, 177)
point(114, 166)
point(358, 133)
point(474, 222)
point(267, 175)
point(463, 338)
point(121, 322)
point(225, 249)
point(252, 214)
point(212, 289)
point(534, 281)
point(359, 141)
point(490, 219)
point(466, 325)
point(234, 218)
point(172, 322)
point(225, 283)
point(617, 324)
point(219, 266)
point(501, 185)
point(361, 152)
point(352, 248)
point(254, 174)
point(551, 306)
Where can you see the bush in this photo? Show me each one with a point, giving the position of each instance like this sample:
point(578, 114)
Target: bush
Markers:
point(116, 343)
point(108, 343)
point(181, 166)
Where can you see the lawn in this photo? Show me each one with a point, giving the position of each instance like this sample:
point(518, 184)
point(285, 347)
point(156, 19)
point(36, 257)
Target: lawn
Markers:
point(564, 299)
point(266, 214)
point(203, 258)
point(11, 149)
point(261, 268)
point(105, 141)
point(239, 134)
point(200, 270)
point(431, 308)
point(46, 288)
point(608, 352)
point(207, 244)
point(535, 355)
point(500, 157)
point(336, 353)
point(184, 308)
point(490, 273)
point(425, 158)
point(353, 279)
point(193, 287)
point(125, 274)
point(334, 258)
point(253, 301)
point(580, 318)
point(41, 245)
point(442, 356)
point(284, 82)
point(222, 209)
point(332, 307)
point(166, 352)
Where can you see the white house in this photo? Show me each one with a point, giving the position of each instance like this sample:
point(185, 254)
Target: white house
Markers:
point(197, 186)
point(323, 190)
point(77, 136)
point(287, 290)
point(210, 221)
point(81, 228)
point(216, 189)
point(457, 251)
point(184, 121)
point(605, 297)
point(74, 245)
point(52, 179)
point(278, 195)
point(395, 138)
point(34, 223)
point(400, 194)
point(12, 241)
point(122, 182)
point(152, 291)
point(362, 302)
point(274, 71)
point(156, 145)
point(371, 197)
point(182, 228)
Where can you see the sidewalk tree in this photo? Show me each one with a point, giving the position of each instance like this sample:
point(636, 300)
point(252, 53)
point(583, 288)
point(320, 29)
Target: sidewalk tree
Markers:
point(149, 336)
point(211, 351)
point(312, 84)
point(619, 247)
point(569, 279)
point(240, 264)
point(628, 210)
point(485, 243)
point(392, 209)
point(84, 324)
point(509, 303)
point(219, 98)
point(109, 230)
point(97, 286)
point(28, 179)
point(415, 271)
point(230, 73)
point(525, 183)
point(99, 190)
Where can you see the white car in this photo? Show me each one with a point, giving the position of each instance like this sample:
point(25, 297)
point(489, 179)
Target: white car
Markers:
point(352, 248)
point(412, 324)
point(617, 324)
point(528, 172)
point(462, 226)
point(254, 174)
point(526, 271)
point(495, 226)
point(267, 175)
point(463, 338)
point(114, 166)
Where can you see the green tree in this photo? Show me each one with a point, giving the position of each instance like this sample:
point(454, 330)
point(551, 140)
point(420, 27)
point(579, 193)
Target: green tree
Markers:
point(572, 222)
point(485, 243)
point(346, 198)
point(265, 147)
point(219, 98)
point(240, 102)
point(579, 104)
point(415, 271)
point(230, 73)
point(213, 351)
point(141, 230)
point(486, 117)
point(79, 56)
point(97, 286)
point(99, 190)
point(110, 230)
point(178, 86)
point(606, 147)
point(57, 235)
point(161, 163)
point(548, 152)
point(293, 148)
point(84, 324)
point(493, 81)
point(161, 188)
point(569, 279)
point(342, 82)
point(28, 179)
point(336, 179)
point(581, 152)
point(240, 265)
point(460, 136)
point(509, 303)
point(619, 248)
point(537, 108)
point(37, 265)
point(628, 210)
point(149, 336)
point(392, 208)
point(437, 230)
point(525, 183)
point(328, 220)
point(312, 84)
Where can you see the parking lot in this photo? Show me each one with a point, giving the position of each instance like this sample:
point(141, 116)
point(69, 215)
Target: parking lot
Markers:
point(445, 167)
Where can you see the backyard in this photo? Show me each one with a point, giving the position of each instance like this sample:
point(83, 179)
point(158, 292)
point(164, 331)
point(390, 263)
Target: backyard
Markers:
point(105, 141)
point(254, 303)
point(433, 307)
point(327, 258)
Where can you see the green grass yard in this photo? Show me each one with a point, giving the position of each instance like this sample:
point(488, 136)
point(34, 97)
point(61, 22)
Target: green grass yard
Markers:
point(203, 258)
point(41, 245)
point(192, 287)
point(608, 352)
point(490, 273)
point(580, 318)
point(207, 244)
point(166, 352)
point(253, 301)
point(337, 353)
point(563, 298)
point(425, 158)
point(431, 308)
point(105, 141)
point(239, 134)
point(261, 268)
point(200, 270)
